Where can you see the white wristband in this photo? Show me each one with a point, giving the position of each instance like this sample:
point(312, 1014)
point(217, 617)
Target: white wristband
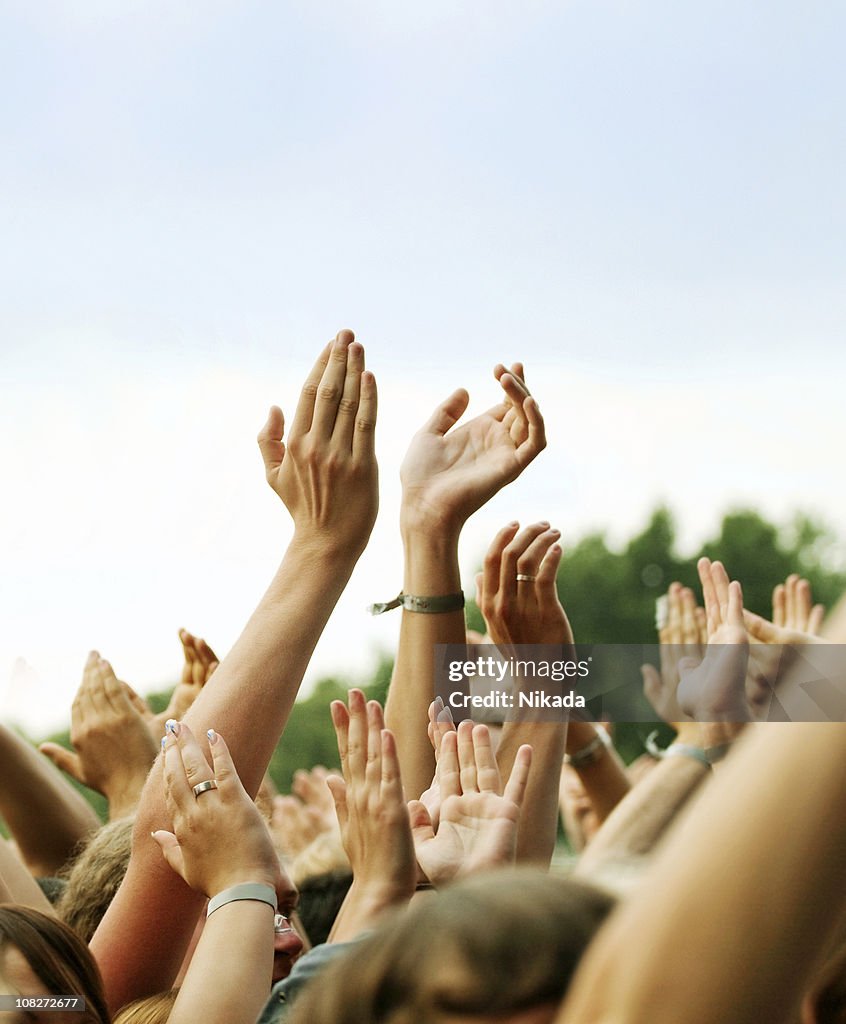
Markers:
point(245, 891)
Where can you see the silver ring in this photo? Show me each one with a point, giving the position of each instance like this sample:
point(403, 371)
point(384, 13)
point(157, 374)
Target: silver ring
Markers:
point(203, 787)
point(523, 577)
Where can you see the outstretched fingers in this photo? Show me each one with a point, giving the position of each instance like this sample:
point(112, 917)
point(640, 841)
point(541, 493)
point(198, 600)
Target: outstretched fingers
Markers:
point(515, 788)
point(487, 772)
point(308, 396)
point(364, 429)
point(330, 391)
point(343, 432)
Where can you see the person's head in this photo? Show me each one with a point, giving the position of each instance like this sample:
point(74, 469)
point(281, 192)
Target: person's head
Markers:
point(321, 897)
point(95, 877)
point(501, 946)
point(40, 956)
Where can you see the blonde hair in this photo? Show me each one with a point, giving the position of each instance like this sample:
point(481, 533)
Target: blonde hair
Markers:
point(95, 877)
point(151, 1010)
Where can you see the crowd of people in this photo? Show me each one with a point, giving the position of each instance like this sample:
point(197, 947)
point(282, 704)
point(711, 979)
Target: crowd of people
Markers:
point(419, 883)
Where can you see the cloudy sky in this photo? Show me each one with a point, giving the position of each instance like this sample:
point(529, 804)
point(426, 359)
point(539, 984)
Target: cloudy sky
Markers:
point(643, 201)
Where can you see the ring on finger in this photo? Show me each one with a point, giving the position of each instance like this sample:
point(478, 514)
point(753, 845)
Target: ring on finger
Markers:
point(524, 577)
point(203, 787)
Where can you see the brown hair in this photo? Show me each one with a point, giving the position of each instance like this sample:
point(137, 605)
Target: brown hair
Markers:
point(95, 877)
point(503, 942)
point(56, 955)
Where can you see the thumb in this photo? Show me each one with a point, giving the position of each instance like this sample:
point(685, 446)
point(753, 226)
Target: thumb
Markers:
point(67, 760)
point(651, 682)
point(421, 821)
point(270, 440)
point(338, 789)
point(169, 845)
point(448, 413)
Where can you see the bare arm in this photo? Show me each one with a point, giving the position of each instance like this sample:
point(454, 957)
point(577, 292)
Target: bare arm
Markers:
point(645, 814)
point(46, 815)
point(528, 612)
point(327, 477)
point(17, 884)
point(448, 473)
point(719, 916)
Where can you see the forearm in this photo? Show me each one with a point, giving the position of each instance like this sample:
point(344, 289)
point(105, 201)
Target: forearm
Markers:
point(539, 814)
point(44, 813)
point(431, 569)
point(18, 884)
point(645, 814)
point(142, 938)
point(604, 779)
point(230, 974)
point(718, 916)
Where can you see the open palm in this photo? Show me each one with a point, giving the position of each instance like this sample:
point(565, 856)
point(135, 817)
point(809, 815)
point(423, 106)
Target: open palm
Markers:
point(448, 474)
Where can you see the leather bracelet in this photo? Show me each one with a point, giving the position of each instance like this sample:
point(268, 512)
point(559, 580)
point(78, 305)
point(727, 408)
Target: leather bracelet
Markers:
point(413, 603)
point(245, 891)
point(590, 752)
point(676, 750)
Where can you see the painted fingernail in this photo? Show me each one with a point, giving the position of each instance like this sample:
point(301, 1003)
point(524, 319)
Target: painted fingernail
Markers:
point(439, 701)
point(212, 735)
point(172, 726)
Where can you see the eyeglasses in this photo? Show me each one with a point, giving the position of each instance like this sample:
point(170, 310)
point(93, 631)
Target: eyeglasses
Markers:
point(281, 924)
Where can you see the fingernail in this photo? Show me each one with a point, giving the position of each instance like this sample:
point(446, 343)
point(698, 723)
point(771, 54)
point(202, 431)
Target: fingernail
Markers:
point(164, 742)
point(439, 701)
point(172, 726)
point(212, 735)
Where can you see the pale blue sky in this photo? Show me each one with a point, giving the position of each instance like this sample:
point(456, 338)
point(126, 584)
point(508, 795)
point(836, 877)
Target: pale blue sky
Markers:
point(644, 201)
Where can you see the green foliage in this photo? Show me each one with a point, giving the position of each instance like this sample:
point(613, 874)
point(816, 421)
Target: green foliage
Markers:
point(610, 597)
point(610, 594)
point(309, 738)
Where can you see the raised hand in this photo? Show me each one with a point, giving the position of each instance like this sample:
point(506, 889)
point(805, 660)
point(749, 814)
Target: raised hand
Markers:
point(113, 747)
point(478, 821)
point(450, 471)
point(684, 635)
point(372, 814)
point(293, 825)
point(220, 840)
point(326, 474)
point(523, 611)
point(313, 790)
point(219, 837)
point(199, 666)
point(793, 607)
point(715, 689)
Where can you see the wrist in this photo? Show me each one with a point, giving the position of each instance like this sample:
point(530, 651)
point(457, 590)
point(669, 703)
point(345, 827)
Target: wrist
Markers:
point(312, 544)
point(417, 521)
point(232, 879)
point(430, 563)
point(381, 894)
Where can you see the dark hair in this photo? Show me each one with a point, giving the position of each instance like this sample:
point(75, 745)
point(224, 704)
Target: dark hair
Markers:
point(499, 943)
point(321, 897)
point(57, 956)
